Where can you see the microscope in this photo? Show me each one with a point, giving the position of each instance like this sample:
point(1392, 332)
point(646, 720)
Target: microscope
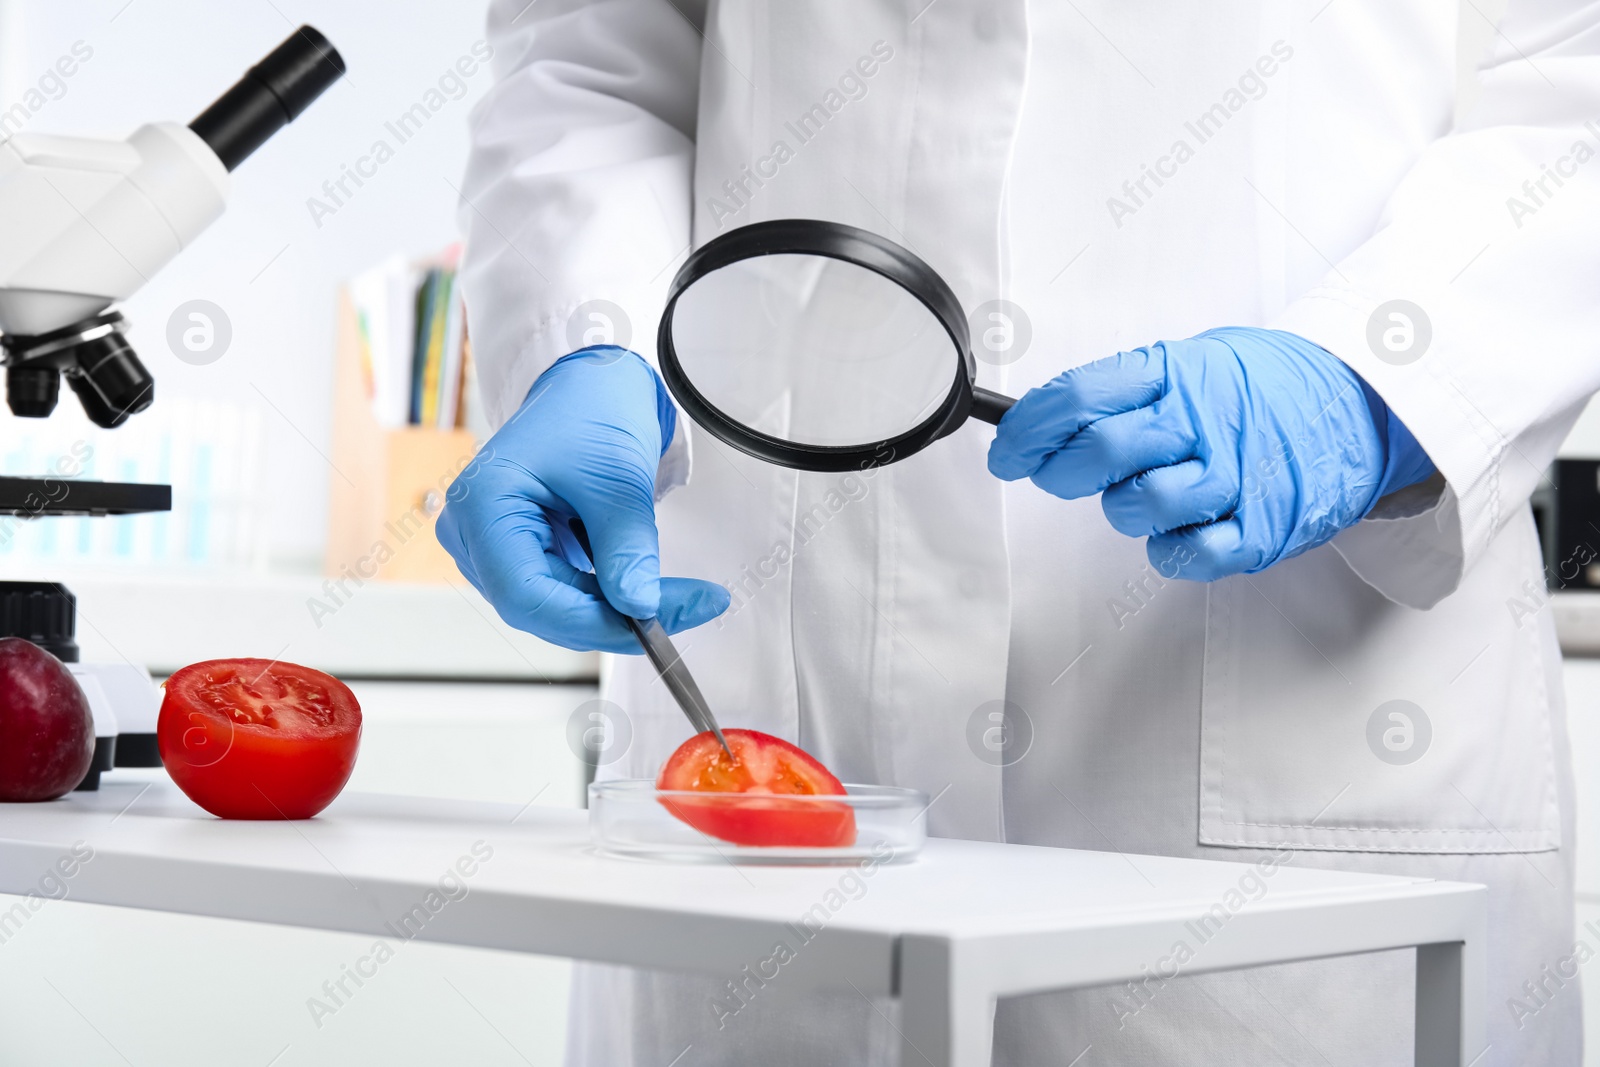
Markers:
point(83, 224)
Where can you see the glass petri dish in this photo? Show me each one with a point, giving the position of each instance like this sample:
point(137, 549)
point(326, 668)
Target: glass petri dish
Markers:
point(631, 817)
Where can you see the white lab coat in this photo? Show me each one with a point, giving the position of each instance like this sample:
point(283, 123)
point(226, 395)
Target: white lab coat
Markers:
point(1031, 152)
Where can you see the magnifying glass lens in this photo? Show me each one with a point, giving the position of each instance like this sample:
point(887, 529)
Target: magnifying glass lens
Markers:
point(812, 350)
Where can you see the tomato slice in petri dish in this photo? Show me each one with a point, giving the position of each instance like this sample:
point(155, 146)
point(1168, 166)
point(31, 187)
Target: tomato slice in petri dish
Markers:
point(754, 798)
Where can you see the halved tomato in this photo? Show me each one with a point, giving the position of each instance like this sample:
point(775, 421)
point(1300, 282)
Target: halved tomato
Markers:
point(258, 738)
point(753, 783)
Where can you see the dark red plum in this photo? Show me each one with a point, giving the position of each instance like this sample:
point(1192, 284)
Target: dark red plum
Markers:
point(46, 728)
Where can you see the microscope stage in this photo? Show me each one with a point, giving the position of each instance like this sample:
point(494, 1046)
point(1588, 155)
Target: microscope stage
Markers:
point(32, 497)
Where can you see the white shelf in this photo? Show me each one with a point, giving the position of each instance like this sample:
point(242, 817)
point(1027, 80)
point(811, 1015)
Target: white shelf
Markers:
point(378, 630)
point(1577, 621)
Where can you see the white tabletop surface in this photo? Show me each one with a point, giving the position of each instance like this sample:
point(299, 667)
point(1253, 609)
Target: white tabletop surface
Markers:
point(372, 859)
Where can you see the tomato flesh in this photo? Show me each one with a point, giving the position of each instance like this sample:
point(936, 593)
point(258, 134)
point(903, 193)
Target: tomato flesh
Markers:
point(257, 738)
point(746, 802)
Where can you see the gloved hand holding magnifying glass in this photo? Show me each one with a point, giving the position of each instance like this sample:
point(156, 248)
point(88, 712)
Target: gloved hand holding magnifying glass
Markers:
point(823, 347)
point(1230, 451)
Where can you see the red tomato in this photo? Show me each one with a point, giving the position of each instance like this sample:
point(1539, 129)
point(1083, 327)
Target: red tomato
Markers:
point(257, 738)
point(763, 770)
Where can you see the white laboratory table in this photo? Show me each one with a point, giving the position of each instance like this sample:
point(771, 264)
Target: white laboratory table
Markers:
point(947, 933)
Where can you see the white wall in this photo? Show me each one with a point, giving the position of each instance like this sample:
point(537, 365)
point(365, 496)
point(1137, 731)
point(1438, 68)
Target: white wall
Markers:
point(168, 59)
point(1584, 440)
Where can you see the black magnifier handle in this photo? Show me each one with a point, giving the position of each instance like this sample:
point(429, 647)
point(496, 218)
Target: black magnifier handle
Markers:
point(989, 405)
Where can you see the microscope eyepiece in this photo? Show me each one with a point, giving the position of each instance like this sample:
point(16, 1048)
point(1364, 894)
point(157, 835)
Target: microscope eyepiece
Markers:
point(271, 94)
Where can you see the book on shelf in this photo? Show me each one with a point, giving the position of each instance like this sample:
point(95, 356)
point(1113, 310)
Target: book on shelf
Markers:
point(415, 353)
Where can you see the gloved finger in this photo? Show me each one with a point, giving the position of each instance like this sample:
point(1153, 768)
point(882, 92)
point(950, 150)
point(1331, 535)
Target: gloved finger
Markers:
point(583, 581)
point(565, 615)
point(1204, 553)
point(1115, 449)
point(1169, 498)
point(1039, 423)
point(618, 511)
point(685, 602)
point(510, 546)
point(447, 529)
point(688, 602)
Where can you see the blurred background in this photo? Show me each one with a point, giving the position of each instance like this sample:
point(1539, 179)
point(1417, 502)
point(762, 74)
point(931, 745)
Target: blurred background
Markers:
point(285, 468)
point(263, 411)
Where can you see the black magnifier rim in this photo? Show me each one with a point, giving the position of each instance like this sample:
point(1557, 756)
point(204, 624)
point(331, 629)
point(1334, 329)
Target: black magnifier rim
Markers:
point(850, 244)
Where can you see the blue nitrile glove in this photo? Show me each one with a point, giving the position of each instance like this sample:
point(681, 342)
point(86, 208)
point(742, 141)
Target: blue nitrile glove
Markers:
point(585, 445)
point(1229, 451)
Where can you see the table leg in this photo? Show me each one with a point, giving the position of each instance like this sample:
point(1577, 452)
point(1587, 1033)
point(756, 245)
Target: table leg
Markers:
point(945, 1021)
point(1450, 1004)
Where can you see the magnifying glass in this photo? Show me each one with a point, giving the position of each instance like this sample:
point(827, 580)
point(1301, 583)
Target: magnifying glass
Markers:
point(819, 346)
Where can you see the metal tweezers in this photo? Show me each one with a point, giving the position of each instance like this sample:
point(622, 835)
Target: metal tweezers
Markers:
point(664, 656)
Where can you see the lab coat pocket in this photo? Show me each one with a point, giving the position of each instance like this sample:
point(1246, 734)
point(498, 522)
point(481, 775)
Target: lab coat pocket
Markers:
point(1334, 719)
